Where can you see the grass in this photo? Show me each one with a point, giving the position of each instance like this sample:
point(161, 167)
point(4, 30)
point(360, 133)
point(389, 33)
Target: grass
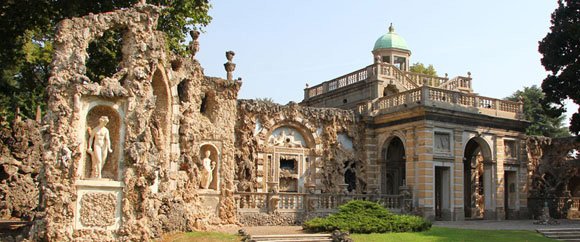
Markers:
point(451, 234)
point(199, 237)
point(435, 234)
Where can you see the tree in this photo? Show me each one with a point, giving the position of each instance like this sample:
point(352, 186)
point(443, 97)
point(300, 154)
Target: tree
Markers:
point(27, 30)
point(421, 69)
point(561, 51)
point(537, 114)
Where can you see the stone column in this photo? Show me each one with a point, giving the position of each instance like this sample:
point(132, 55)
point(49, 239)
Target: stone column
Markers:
point(458, 182)
point(425, 171)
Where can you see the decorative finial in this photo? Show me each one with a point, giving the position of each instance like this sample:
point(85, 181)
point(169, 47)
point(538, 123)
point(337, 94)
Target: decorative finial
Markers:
point(194, 44)
point(391, 28)
point(230, 66)
point(469, 74)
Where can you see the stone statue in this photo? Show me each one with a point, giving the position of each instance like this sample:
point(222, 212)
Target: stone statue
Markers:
point(274, 200)
point(207, 171)
point(99, 146)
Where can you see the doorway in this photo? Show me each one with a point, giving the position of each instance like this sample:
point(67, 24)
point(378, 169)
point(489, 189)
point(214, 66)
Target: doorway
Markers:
point(510, 193)
point(442, 193)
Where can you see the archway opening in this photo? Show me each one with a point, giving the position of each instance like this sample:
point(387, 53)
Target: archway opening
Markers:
point(393, 170)
point(350, 175)
point(477, 178)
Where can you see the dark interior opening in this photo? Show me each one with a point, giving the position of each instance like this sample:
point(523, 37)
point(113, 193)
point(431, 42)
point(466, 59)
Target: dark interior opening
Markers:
point(289, 165)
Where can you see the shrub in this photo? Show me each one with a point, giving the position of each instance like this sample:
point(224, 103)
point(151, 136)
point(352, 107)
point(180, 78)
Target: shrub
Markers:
point(366, 217)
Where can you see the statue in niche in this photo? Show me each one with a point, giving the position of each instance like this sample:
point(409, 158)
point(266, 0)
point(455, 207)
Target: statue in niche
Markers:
point(207, 171)
point(99, 146)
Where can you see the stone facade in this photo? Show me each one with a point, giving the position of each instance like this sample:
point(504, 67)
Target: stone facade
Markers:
point(456, 151)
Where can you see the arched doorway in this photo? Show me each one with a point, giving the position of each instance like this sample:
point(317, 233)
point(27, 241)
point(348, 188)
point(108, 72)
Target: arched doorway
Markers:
point(477, 177)
point(393, 171)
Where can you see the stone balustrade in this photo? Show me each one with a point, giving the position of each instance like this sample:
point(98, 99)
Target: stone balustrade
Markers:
point(422, 79)
point(303, 202)
point(389, 72)
point(430, 96)
point(342, 81)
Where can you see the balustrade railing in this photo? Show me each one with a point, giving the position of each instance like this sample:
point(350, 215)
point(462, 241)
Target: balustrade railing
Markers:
point(433, 96)
point(422, 79)
point(458, 83)
point(386, 71)
point(342, 81)
point(300, 202)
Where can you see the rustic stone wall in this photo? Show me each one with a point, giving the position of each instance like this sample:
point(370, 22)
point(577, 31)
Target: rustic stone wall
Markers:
point(162, 111)
point(20, 168)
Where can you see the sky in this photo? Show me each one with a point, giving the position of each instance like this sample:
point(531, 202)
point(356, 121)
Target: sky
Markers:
point(282, 45)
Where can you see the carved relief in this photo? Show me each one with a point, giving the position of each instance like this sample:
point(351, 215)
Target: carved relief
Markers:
point(442, 143)
point(510, 150)
point(98, 209)
point(287, 137)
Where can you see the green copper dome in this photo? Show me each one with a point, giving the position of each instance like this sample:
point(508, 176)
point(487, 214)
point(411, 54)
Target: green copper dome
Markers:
point(391, 40)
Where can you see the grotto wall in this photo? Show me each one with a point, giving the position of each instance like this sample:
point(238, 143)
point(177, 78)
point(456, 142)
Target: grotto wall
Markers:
point(295, 149)
point(553, 167)
point(124, 157)
point(20, 168)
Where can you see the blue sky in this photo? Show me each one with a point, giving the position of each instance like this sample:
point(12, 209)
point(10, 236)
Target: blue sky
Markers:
point(282, 45)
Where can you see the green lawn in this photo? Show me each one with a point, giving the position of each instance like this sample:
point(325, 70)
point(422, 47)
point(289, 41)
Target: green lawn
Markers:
point(449, 234)
point(435, 234)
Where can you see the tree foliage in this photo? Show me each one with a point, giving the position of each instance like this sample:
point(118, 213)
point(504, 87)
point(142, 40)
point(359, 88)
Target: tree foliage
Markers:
point(421, 69)
point(541, 122)
point(27, 30)
point(561, 57)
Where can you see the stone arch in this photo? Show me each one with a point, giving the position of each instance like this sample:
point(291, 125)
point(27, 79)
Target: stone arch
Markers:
point(75, 35)
point(393, 164)
point(483, 144)
point(214, 156)
point(111, 166)
point(163, 113)
point(478, 177)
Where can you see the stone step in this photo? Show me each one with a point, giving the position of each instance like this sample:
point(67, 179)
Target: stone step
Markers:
point(291, 237)
point(566, 234)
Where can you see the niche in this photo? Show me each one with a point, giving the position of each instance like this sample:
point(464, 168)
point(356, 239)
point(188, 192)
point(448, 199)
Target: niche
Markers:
point(161, 118)
point(350, 175)
point(288, 173)
point(208, 105)
point(110, 165)
point(209, 165)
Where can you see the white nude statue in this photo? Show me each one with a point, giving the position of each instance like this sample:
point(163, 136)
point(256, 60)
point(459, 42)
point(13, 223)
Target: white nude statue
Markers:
point(207, 171)
point(99, 146)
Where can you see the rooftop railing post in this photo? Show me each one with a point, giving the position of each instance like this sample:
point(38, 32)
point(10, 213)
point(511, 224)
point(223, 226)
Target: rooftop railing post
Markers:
point(425, 95)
